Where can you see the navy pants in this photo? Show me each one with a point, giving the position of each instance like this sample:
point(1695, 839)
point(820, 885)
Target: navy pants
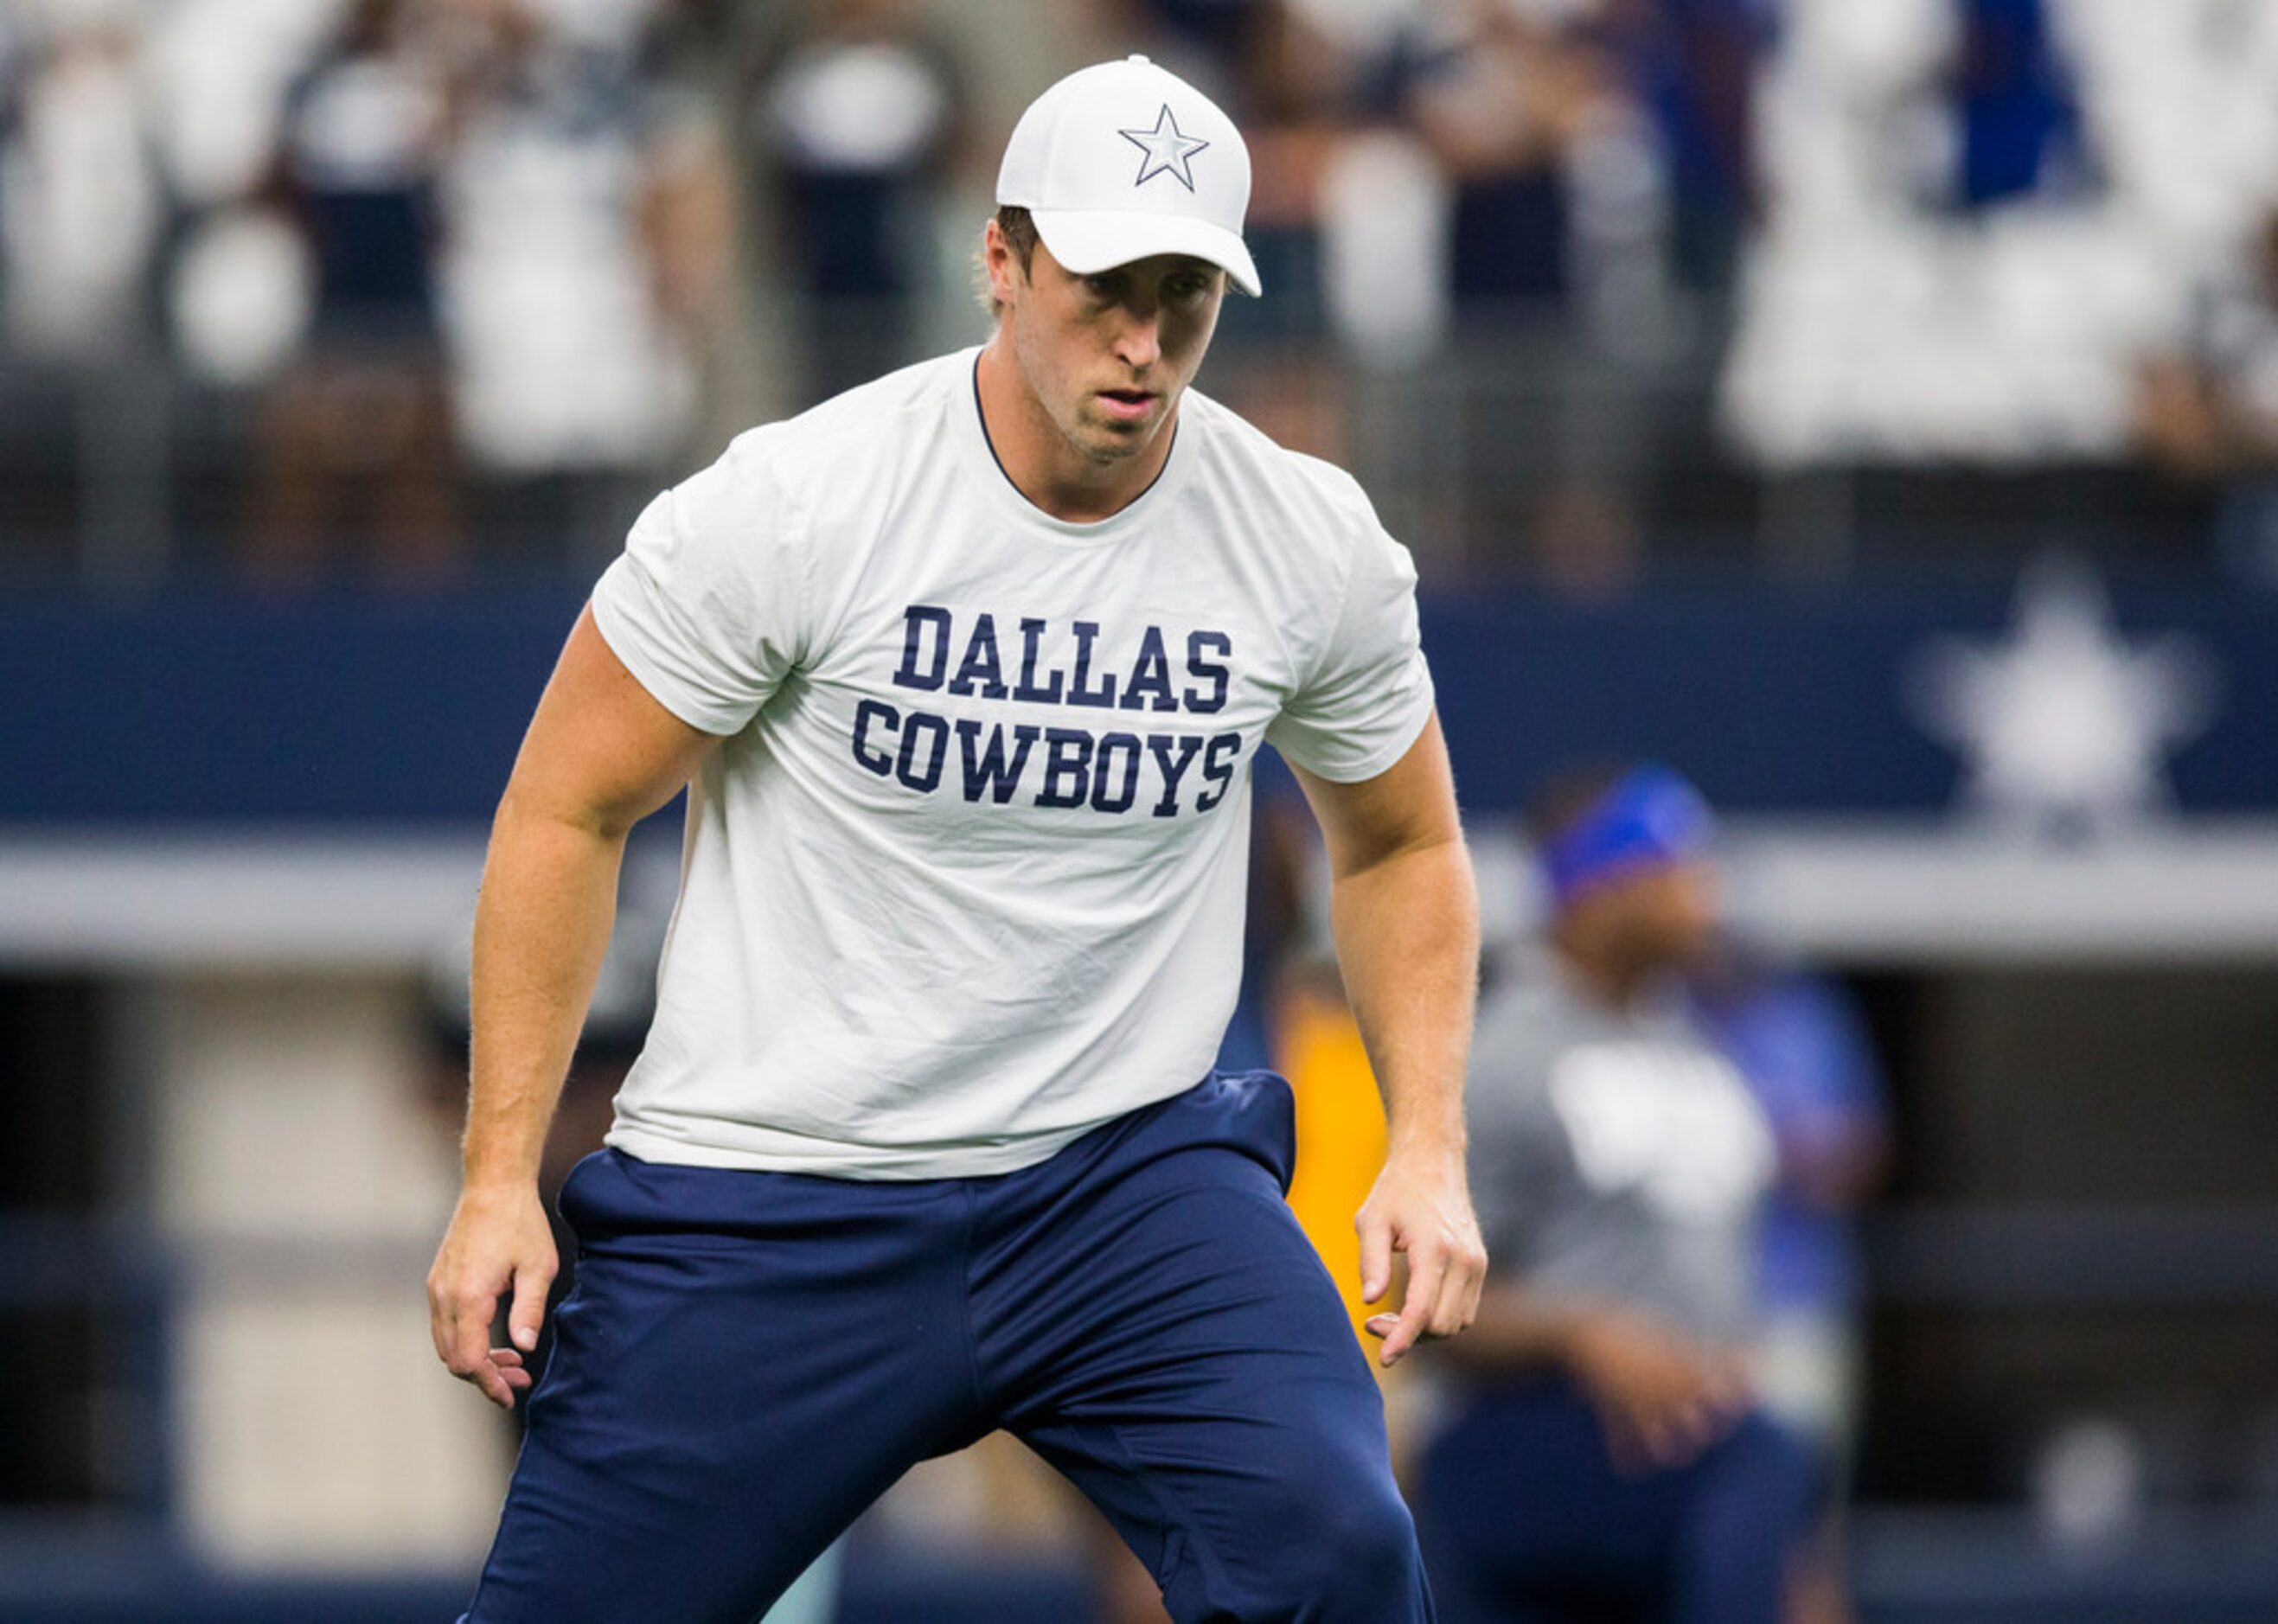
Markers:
point(1526, 1521)
point(750, 1359)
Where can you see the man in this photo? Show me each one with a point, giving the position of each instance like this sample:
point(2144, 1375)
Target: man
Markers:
point(1605, 1458)
point(968, 667)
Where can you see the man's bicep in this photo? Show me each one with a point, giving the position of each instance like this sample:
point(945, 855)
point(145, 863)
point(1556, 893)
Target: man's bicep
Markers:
point(1411, 804)
point(602, 752)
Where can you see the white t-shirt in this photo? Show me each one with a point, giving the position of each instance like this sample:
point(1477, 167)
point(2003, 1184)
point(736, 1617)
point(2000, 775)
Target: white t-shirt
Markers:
point(966, 879)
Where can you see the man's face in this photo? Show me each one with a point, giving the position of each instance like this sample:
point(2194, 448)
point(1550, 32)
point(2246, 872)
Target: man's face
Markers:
point(1673, 911)
point(1107, 355)
point(1664, 916)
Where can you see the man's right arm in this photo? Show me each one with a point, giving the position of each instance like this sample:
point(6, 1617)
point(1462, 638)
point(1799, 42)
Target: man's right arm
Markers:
point(601, 755)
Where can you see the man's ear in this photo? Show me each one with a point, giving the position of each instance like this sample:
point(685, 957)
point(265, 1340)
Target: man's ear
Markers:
point(1001, 264)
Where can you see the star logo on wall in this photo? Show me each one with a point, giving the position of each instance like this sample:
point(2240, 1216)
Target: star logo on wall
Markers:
point(2065, 726)
point(1167, 150)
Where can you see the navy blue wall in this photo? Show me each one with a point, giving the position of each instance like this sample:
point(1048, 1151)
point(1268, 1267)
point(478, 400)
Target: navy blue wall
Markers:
point(375, 713)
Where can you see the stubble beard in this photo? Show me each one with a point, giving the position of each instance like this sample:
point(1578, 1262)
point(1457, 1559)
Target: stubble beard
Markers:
point(1096, 439)
point(1108, 441)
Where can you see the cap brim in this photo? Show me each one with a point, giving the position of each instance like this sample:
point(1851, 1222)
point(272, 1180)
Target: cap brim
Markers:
point(1087, 241)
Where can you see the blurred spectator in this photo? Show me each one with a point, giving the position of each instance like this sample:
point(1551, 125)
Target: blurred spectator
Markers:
point(1556, 196)
point(2208, 409)
point(1667, 195)
point(1292, 88)
point(1692, 65)
point(80, 206)
point(1500, 98)
point(1290, 85)
point(689, 215)
point(859, 120)
point(360, 427)
point(1801, 1046)
point(592, 219)
point(1606, 1455)
point(2022, 131)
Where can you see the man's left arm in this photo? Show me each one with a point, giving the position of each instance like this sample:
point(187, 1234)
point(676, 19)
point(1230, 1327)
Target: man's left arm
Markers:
point(1406, 921)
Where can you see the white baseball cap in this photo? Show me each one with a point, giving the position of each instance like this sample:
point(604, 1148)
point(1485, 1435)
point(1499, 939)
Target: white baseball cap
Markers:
point(1125, 159)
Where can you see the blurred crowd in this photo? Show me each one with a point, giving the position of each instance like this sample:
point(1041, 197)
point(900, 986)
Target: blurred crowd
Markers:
point(409, 288)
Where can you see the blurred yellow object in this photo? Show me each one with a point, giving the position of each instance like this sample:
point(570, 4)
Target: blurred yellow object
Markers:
point(1339, 1135)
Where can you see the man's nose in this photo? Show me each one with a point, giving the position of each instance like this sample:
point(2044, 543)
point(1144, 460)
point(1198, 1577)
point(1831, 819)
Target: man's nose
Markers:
point(1139, 343)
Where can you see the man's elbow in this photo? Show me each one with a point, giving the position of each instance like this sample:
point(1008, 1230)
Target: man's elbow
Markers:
point(1434, 856)
point(526, 815)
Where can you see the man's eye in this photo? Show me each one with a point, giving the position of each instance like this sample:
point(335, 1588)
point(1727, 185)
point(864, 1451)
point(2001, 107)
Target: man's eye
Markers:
point(1101, 286)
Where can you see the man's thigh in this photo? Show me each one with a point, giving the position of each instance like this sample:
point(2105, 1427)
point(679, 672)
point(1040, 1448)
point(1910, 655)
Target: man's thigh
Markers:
point(1166, 1336)
point(747, 1361)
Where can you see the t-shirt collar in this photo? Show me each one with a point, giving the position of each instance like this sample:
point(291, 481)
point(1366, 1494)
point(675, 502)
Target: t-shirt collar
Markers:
point(971, 435)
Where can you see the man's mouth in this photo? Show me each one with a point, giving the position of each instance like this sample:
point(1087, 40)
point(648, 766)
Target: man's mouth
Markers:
point(1127, 405)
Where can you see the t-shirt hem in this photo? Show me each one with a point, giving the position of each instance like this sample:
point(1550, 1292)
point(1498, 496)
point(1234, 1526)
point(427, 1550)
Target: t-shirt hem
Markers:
point(858, 1163)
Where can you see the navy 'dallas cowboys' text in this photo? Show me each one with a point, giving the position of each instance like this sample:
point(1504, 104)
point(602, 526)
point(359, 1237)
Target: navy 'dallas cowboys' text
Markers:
point(1126, 760)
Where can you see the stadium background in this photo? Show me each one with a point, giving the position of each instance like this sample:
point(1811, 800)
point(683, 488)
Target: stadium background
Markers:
point(1871, 409)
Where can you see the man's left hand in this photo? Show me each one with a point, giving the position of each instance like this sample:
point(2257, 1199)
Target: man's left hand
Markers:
point(1421, 1208)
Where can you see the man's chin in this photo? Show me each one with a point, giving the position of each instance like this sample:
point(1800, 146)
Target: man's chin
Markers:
point(1115, 442)
point(1121, 437)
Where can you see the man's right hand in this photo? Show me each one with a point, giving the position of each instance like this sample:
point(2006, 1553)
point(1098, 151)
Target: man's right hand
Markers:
point(499, 1242)
point(1661, 1397)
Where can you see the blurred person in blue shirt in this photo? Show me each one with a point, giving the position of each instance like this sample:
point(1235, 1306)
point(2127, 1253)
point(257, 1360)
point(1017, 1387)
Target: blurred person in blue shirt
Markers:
point(1693, 65)
point(1799, 1041)
point(1606, 1455)
point(2021, 125)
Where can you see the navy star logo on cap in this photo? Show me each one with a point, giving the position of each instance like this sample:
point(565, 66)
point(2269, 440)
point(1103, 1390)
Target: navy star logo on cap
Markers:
point(1167, 151)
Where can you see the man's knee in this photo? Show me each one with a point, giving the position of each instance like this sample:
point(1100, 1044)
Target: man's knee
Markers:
point(1338, 1551)
point(1370, 1537)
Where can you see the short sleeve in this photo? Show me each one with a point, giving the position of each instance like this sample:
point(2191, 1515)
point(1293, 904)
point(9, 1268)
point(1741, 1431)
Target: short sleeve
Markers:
point(707, 604)
point(1369, 692)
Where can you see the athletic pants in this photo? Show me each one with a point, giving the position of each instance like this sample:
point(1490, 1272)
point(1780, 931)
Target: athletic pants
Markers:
point(1526, 1521)
point(750, 1359)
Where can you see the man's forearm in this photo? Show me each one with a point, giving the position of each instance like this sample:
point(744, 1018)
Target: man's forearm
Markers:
point(541, 926)
point(1408, 943)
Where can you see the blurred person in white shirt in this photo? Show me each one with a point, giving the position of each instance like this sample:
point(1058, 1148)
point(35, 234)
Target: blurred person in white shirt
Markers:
point(80, 205)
